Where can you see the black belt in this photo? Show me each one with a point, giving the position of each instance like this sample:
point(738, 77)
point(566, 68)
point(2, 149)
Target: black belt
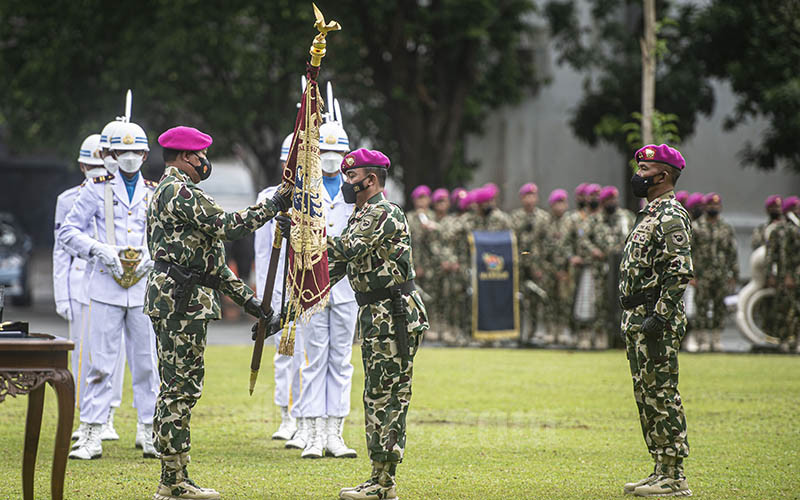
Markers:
point(182, 274)
point(649, 295)
point(364, 298)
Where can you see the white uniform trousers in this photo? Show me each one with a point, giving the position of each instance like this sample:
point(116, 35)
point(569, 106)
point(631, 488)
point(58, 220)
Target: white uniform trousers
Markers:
point(283, 373)
point(108, 325)
point(79, 335)
point(322, 381)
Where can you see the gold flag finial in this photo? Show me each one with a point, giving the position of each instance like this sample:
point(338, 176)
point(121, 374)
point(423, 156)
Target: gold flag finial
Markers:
point(318, 45)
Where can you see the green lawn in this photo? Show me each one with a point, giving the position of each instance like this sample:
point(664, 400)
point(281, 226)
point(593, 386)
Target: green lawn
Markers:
point(483, 424)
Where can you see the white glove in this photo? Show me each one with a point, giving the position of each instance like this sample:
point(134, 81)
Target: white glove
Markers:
point(109, 257)
point(144, 267)
point(64, 309)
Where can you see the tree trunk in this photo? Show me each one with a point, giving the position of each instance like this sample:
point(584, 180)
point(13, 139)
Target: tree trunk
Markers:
point(648, 44)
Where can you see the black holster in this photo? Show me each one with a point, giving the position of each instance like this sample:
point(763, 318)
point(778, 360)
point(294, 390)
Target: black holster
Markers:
point(654, 339)
point(186, 280)
point(400, 323)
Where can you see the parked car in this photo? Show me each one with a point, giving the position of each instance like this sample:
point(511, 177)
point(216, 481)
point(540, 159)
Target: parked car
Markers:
point(15, 254)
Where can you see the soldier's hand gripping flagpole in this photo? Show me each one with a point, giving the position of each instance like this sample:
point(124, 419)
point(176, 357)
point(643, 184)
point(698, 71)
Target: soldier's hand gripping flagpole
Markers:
point(317, 52)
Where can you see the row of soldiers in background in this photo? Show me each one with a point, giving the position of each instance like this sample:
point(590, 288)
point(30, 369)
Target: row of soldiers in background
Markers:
point(781, 236)
point(569, 261)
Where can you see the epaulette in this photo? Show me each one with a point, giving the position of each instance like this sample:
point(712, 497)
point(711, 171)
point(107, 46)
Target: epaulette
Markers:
point(149, 183)
point(103, 178)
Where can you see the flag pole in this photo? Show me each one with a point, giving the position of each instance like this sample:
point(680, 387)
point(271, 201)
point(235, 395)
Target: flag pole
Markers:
point(317, 52)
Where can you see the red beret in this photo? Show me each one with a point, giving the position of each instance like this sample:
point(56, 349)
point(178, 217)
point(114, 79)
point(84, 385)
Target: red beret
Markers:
point(184, 139)
point(661, 154)
point(364, 158)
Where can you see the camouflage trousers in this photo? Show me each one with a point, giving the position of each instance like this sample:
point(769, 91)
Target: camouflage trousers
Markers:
point(387, 393)
point(710, 298)
point(785, 314)
point(557, 310)
point(655, 389)
point(180, 345)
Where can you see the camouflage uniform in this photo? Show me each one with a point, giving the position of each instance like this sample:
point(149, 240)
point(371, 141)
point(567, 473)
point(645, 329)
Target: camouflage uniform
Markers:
point(421, 225)
point(714, 256)
point(186, 227)
point(530, 228)
point(607, 234)
point(783, 267)
point(374, 252)
point(445, 286)
point(657, 253)
point(580, 224)
point(556, 282)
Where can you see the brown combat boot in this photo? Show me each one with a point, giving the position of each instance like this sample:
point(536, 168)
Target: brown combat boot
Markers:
point(629, 488)
point(175, 483)
point(380, 486)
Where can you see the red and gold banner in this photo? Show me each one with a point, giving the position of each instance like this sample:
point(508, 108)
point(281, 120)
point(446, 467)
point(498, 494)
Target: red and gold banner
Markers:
point(307, 281)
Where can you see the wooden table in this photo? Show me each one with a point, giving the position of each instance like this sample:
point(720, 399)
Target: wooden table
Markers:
point(25, 366)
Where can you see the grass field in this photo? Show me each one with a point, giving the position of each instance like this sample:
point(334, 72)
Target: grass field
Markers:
point(483, 424)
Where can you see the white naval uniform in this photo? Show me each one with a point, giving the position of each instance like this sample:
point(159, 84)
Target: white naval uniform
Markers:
point(316, 381)
point(114, 310)
point(322, 381)
point(263, 250)
point(69, 284)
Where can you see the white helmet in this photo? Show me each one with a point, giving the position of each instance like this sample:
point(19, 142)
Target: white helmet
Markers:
point(90, 151)
point(286, 146)
point(332, 137)
point(128, 136)
point(105, 135)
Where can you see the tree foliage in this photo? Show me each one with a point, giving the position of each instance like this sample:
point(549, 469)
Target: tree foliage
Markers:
point(414, 77)
point(607, 51)
point(755, 45)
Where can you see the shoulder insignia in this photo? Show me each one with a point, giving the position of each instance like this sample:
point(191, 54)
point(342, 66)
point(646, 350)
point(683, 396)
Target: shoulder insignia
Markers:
point(149, 183)
point(672, 225)
point(103, 178)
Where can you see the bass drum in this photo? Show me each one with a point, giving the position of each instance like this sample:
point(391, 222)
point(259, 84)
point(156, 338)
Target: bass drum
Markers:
point(755, 304)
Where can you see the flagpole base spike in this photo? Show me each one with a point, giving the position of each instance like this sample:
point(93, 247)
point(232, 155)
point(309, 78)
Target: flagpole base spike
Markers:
point(253, 378)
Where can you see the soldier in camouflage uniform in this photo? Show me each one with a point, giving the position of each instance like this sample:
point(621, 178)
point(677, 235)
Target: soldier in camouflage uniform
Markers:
point(421, 225)
point(375, 254)
point(773, 207)
point(444, 287)
point(655, 269)
point(783, 274)
point(609, 228)
point(717, 264)
point(586, 257)
point(530, 223)
point(558, 286)
point(185, 230)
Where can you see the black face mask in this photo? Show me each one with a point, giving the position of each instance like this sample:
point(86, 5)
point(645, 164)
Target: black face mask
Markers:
point(594, 204)
point(774, 215)
point(349, 190)
point(640, 185)
point(697, 213)
point(487, 210)
point(204, 169)
point(712, 212)
point(581, 204)
point(610, 209)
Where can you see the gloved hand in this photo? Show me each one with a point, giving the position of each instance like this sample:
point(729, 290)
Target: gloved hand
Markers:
point(145, 266)
point(253, 308)
point(64, 309)
point(273, 326)
point(282, 202)
point(285, 223)
point(108, 256)
point(653, 325)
